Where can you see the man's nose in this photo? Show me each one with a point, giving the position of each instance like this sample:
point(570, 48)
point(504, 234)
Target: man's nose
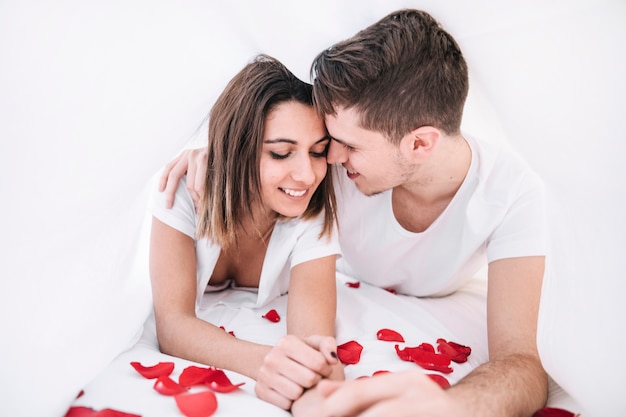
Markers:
point(337, 153)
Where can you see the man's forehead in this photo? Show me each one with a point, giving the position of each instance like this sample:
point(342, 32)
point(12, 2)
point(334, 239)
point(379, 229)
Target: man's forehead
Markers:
point(338, 128)
point(343, 118)
point(351, 135)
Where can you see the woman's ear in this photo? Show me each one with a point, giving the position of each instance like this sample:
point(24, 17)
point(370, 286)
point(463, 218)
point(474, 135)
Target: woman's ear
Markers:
point(420, 142)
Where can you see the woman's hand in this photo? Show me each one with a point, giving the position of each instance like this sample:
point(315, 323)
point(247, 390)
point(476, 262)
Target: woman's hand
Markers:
point(293, 366)
point(192, 162)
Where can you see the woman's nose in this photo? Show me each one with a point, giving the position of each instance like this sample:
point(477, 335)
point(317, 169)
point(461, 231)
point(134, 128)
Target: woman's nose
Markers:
point(302, 170)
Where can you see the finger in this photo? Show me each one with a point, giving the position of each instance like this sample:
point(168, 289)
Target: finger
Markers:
point(280, 363)
point(327, 387)
point(200, 176)
point(304, 354)
point(421, 399)
point(273, 397)
point(165, 173)
point(196, 173)
point(308, 405)
point(287, 387)
point(194, 197)
point(326, 345)
point(348, 399)
point(173, 178)
point(395, 407)
point(191, 182)
point(357, 395)
point(195, 182)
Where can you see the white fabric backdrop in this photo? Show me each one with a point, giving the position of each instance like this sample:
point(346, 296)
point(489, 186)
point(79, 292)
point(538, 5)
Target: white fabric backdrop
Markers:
point(96, 96)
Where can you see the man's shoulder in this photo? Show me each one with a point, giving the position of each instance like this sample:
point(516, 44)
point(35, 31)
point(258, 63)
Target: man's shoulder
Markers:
point(499, 166)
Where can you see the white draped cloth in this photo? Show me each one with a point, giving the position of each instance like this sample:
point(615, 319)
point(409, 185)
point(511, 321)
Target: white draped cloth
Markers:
point(96, 96)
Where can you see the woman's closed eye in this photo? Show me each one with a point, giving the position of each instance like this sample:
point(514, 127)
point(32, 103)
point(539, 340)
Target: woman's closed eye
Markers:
point(277, 155)
point(320, 152)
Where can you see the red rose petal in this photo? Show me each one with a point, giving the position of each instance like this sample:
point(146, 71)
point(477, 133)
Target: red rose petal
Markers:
point(554, 412)
point(200, 404)
point(389, 335)
point(382, 371)
point(167, 386)
point(230, 333)
point(350, 352)
point(272, 316)
point(219, 382)
point(391, 290)
point(427, 347)
point(422, 356)
point(356, 284)
point(214, 378)
point(440, 380)
point(78, 411)
point(151, 372)
point(466, 350)
point(194, 375)
point(458, 353)
point(224, 389)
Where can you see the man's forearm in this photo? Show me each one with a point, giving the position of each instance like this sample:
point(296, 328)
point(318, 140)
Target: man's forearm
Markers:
point(516, 385)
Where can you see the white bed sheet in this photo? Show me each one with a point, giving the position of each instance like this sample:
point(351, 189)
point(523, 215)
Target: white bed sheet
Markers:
point(361, 313)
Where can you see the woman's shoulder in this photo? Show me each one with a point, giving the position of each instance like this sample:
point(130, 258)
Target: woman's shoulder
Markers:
point(182, 215)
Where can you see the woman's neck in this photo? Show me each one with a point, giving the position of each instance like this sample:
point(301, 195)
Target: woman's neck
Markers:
point(258, 226)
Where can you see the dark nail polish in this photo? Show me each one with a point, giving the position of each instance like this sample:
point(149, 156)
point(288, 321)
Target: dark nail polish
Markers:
point(333, 354)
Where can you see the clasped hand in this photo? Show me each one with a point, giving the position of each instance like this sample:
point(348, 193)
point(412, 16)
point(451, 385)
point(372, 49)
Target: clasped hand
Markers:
point(293, 366)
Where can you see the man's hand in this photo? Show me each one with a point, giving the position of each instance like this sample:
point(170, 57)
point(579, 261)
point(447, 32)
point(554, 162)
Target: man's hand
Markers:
point(401, 394)
point(293, 366)
point(192, 162)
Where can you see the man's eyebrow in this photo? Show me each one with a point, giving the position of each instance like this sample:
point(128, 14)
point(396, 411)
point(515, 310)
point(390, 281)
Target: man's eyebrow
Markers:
point(342, 142)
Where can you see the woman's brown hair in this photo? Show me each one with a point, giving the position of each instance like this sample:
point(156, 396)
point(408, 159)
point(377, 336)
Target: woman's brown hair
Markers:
point(236, 126)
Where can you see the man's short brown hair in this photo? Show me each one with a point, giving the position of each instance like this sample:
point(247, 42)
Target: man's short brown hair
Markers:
point(400, 73)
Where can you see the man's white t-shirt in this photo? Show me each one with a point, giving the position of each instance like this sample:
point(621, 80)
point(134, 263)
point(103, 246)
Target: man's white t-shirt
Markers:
point(498, 212)
point(293, 241)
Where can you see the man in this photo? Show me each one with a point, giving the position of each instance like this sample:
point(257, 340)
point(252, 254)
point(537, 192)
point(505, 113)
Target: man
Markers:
point(422, 208)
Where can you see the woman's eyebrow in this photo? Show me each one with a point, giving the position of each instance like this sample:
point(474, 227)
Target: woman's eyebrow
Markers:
point(324, 139)
point(281, 140)
point(293, 142)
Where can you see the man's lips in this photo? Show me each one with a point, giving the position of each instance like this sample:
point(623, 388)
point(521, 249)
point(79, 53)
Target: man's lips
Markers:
point(352, 174)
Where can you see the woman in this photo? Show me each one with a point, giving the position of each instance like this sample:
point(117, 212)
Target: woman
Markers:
point(265, 221)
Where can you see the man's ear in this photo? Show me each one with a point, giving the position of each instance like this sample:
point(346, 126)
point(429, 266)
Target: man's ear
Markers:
point(420, 142)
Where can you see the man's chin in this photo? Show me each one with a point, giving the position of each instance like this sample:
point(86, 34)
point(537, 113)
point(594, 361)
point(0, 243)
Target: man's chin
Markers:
point(368, 191)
